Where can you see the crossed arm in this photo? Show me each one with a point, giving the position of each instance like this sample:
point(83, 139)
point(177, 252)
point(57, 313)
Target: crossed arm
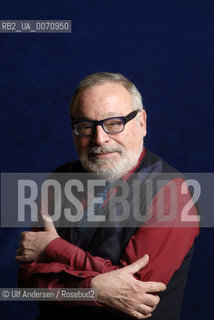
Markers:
point(123, 287)
point(118, 288)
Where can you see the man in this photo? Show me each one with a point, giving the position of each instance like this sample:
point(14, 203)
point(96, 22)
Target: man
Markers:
point(128, 265)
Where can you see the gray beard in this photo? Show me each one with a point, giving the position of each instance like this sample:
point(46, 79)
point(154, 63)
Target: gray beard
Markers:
point(109, 169)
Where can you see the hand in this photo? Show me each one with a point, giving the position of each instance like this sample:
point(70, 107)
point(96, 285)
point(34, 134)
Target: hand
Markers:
point(120, 290)
point(33, 244)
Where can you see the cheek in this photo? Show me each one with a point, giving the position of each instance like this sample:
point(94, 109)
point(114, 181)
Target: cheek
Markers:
point(133, 142)
point(126, 142)
point(80, 144)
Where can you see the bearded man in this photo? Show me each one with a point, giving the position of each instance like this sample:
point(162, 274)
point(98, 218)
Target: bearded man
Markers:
point(129, 266)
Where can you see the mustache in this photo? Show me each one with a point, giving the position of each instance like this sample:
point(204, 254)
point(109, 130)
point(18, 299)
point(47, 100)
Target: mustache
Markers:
point(100, 150)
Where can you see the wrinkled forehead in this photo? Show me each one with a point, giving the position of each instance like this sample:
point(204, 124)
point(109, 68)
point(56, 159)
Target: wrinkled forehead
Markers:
point(108, 98)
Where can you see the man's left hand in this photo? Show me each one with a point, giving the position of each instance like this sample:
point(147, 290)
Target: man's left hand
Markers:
point(33, 244)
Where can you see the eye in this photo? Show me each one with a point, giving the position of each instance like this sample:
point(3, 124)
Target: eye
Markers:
point(114, 122)
point(113, 125)
point(84, 127)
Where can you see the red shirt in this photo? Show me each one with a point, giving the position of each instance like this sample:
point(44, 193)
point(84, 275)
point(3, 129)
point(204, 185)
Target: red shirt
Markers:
point(167, 243)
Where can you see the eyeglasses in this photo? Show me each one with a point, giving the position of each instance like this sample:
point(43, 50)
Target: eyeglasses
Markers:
point(110, 125)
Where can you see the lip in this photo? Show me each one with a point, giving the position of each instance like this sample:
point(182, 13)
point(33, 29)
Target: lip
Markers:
point(106, 155)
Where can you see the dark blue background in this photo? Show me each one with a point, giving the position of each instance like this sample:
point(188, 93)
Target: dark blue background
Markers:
point(164, 47)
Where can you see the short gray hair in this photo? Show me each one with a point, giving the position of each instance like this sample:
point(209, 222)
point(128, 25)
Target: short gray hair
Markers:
point(103, 77)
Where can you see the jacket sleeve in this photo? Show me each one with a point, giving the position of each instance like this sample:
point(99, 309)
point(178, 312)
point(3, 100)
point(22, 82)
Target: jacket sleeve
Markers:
point(166, 243)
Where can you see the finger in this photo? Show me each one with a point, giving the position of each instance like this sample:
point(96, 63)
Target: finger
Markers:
point(138, 315)
point(147, 316)
point(25, 257)
point(151, 300)
point(48, 223)
point(19, 251)
point(26, 245)
point(20, 244)
point(22, 259)
point(138, 265)
point(23, 234)
point(144, 309)
point(150, 286)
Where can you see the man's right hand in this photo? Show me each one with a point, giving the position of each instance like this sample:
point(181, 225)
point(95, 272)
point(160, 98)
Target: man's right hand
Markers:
point(120, 290)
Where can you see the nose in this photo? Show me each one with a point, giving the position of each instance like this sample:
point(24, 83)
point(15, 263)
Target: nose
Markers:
point(100, 137)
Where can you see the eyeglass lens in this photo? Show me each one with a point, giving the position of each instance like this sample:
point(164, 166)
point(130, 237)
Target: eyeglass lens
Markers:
point(110, 126)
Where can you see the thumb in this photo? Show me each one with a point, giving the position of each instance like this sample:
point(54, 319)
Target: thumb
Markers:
point(138, 265)
point(48, 223)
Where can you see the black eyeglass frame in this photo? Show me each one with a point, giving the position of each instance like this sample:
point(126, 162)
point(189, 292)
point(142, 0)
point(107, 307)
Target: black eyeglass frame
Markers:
point(96, 123)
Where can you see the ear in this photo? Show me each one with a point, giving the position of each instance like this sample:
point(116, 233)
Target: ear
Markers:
point(143, 118)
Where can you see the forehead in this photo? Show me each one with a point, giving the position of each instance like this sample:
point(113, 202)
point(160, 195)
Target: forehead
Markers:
point(102, 100)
